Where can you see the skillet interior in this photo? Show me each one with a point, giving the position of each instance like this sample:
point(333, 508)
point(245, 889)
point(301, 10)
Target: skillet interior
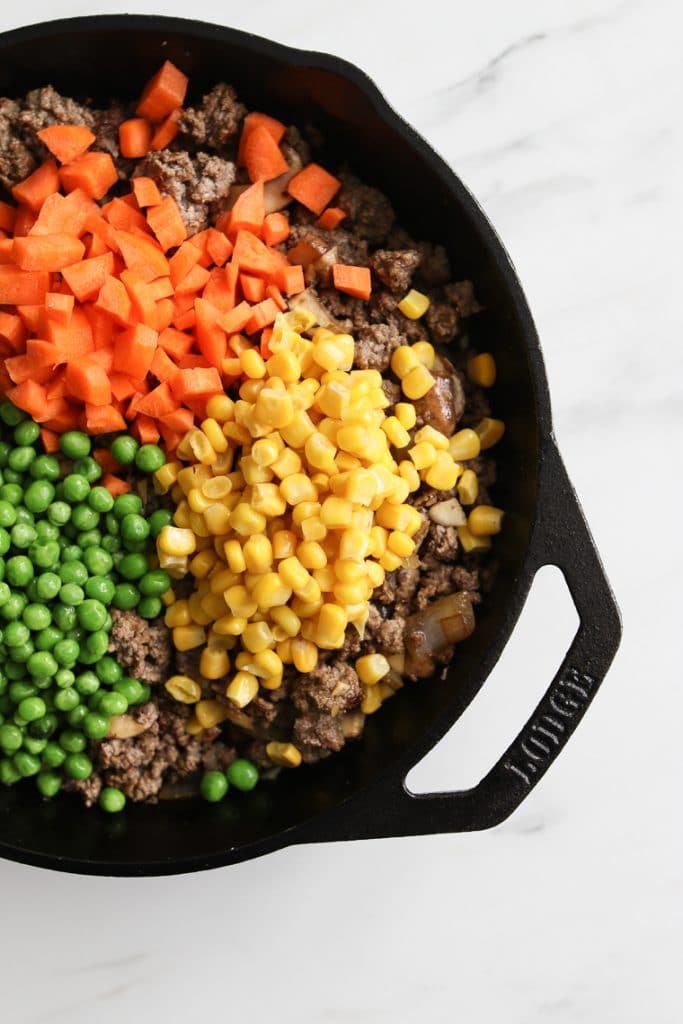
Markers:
point(88, 56)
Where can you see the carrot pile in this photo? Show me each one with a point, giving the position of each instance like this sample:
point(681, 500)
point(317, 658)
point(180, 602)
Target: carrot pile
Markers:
point(110, 315)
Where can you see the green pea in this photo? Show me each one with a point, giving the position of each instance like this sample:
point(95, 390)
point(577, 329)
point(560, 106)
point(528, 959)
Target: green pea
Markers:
point(96, 644)
point(91, 614)
point(49, 784)
point(5, 541)
point(112, 524)
point(78, 766)
point(150, 607)
point(10, 738)
point(48, 585)
point(45, 556)
point(47, 638)
point(20, 689)
point(100, 588)
point(38, 496)
point(71, 594)
point(22, 652)
point(154, 583)
point(11, 493)
point(73, 572)
point(53, 755)
point(59, 513)
point(75, 487)
point(127, 504)
point(19, 570)
point(67, 699)
point(8, 773)
point(23, 535)
point(10, 415)
point(100, 500)
point(158, 519)
point(8, 514)
point(26, 764)
point(64, 678)
point(26, 433)
point(5, 449)
point(74, 444)
point(95, 726)
point(47, 531)
point(150, 458)
point(33, 745)
point(213, 787)
point(12, 476)
point(111, 544)
point(134, 528)
point(13, 670)
point(145, 693)
point(64, 617)
point(13, 607)
point(42, 663)
point(5, 593)
point(46, 467)
point(43, 727)
point(76, 716)
point(16, 633)
point(126, 596)
point(112, 800)
point(133, 566)
point(89, 468)
point(72, 741)
point(32, 708)
point(89, 539)
point(108, 670)
point(242, 774)
point(87, 683)
point(131, 689)
point(98, 561)
point(72, 553)
point(113, 703)
point(85, 518)
point(36, 617)
point(124, 449)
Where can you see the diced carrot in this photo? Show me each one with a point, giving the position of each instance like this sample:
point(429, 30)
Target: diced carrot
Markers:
point(194, 281)
point(114, 300)
point(21, 287)
point(221, 289)
point(253, 288)
point(105, 460)
point(64, 214)
point(143, 256)
point(200, 241)
point(33, 317)
point(263, 157)
point(290, 280)
point(134, 137)
point(24, 221)
point(182, 261)
point(275, 228)
point(142, 302)
point(122, 386)
point(252, 256)
point(136, 399)
point(50, 440)
point(135, 350)
point(262, 316)
point(195, 383)
point(185, 321)
point(180, 420)
point(162, 366)
point(67, 141)
point(103, 419)
point(145, 430)
point(163, 93)
point(162, 288)
point(95, 173)
point(158, 402)
point(105, 358)
point(59, 307)
point(12, 330)
point(123, 217)
point(6, 247)
point(313, 187)
point(95, 246)
point(47, 252)
point(354, 281)
point(87, 277)
point(24, 367)
point(236, 319)
point(103, 229)
point(59, 415)
point(115, 485)
point(276, 130)
point(74, 340)
point(146, 191)
point(330, 218)
point(167, 130)
point(8, 214)
point(218, 246)
point(29, 396)
point(211, 339)
point(248, 212)
point(164, 313)
point(175, 343)
point(102, 328)
point(34, 190)
point(87, 381)
point(274, 293)
point(167, 224)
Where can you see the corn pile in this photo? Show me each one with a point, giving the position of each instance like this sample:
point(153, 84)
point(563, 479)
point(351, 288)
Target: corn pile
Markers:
point(292, 504)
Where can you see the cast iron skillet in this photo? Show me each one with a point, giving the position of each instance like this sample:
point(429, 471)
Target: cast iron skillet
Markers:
point(359, 793)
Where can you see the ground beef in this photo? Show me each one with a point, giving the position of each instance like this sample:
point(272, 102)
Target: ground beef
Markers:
point(216, 122)
point(317, 734)
point(44, 107)
point(435, 582)
point(442, 321)
point(443, 405)
point(199, 184)
point(461, 295)
point(390, 638)
point(383, 309)
point(142, 648)
point(408, 583)
point(442, 543)
point(465, 579)
point(392, 390)
point(17, 160)
point(374, 346)
point(369, 212)
point(395, 268)
point(435, 268)
point(88, 789)
point(347, 249)
point(106, 128)
point(331, 688)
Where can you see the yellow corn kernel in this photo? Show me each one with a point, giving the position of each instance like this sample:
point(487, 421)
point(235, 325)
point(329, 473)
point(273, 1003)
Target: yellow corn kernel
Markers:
point(236, 478)
point(405, 414)
point(257, 636)
point(333, 399)
point(417, 382)
point(481, 370)
point(166, 476)
point(371, 668)
point(234, 556)
point(252, 364)
point(320, 452)
point(253, 473)
point(197, 500)
point(352, 593)
point(183, 689)
point(294, 574)
point(223, 463)
point(299, 430)
point(286, 464)
point(283, 649)
point(209, 713)
point(471, 542)
point(249, 392)
point(274, 407)
point(379, 536)
point(236, 432)
point(433, 437)
point(181, 516)
point(372, 700)
point(266, 498)
point(332, 622)
point(268, 664)
point(464, 445)
point(354, 544)
point(403, 360)
point(468, 487)
point(174, 565)
point(305, 510)
point(490, 432)
point(214, 663)
point(199, 616)
point(286, 755)
point(313, 529)
point(414, 305)
point(286, 619)
point(348, 570)
point(284, 544)
point(218, 640)
point(375, 573)
point(311, 555)
point(285, 365)
point(246, 521)
point(322, 480)
point(217, 488)
point(396, 432)
point(361, 487)
point(422, 454)
point(400, 492)
point(220, 407)
point(485, 520)
point(213, 607)
point(304, 655)
point(400, 543)
point(368, 443)
point(193, 728)
point(214, 434)
point(202, 563)
point(390, 562)
point(178, 615)
point(168, 597)
point(240, 601)
point(177, 493)
point(265, 451)
point(271, 682)
point(270, 591)
point(230, 625)
point(325, 578)
point(346, 462)
point(186, 638)
point(408, 473)
point(174, 540)
point(333, 351)
point(198, 526)
point(335, 513)
point(425, 353)
point(201, 447)
point(217, 519)
point(443, 473)
point(298, 487)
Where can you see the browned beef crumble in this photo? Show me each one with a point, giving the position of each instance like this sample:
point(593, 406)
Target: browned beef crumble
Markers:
point(199, 183)
point(142, 648)
point(216, 122)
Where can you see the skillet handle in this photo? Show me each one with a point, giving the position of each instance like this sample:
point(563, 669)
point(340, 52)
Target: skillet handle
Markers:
point(560, 537)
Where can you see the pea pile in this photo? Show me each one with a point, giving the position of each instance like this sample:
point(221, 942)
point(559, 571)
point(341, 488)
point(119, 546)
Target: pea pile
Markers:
point(69, 552)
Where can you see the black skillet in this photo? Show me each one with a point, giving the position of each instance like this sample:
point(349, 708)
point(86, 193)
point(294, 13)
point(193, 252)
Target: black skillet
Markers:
point(360, 793)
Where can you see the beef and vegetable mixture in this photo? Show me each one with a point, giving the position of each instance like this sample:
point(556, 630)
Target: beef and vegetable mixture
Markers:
point(244, 458)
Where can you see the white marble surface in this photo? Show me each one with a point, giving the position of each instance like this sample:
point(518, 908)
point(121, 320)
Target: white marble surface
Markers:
point(564, 119)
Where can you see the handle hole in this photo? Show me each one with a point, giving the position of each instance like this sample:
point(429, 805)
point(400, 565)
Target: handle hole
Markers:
point(533, 654)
